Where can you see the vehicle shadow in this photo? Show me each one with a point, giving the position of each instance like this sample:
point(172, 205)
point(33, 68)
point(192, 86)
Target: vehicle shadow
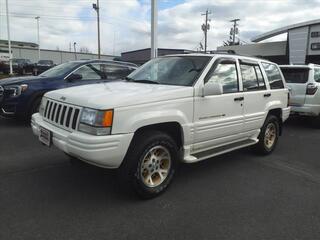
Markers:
point(301, 122)
point(13, 122)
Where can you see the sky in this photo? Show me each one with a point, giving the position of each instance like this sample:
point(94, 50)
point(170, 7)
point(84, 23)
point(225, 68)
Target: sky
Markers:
point(125, 24)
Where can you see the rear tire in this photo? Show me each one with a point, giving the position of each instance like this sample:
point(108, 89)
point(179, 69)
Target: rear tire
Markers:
point(268, 137)
point(150, 164)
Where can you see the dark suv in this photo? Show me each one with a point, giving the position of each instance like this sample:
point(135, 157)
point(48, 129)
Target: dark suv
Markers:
point(21, 96)
point(19, 65)
point(42, 66)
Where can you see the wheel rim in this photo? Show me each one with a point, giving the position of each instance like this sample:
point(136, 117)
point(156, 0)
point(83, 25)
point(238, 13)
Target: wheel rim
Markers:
point(270, 135)
point(155, 166)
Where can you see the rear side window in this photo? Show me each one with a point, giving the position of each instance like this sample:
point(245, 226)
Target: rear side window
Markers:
point(252, 78)
point(274, 75)
point(317, 74)
point(295, 75)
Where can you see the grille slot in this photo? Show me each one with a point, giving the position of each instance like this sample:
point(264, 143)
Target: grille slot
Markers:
point(62, 115)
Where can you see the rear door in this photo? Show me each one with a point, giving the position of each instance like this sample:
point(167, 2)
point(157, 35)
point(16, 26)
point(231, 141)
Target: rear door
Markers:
point(297, 81)
point(256, 95)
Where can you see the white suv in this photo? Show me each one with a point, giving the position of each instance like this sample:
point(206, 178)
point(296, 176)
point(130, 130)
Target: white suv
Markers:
point(175, 108)
point(303, 82)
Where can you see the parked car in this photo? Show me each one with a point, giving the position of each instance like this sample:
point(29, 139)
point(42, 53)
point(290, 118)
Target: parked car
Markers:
point(21, 96)
point(19, 65)
point(42, 66)
point(174, 108)
point(304, 82)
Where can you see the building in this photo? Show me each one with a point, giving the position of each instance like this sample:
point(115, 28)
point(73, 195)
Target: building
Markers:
point(143, 55)
point(302, 45)
point(29, 51)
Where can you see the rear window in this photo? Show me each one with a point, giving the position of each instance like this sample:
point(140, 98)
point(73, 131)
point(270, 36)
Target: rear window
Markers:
point(295, 75)
point(274, 75)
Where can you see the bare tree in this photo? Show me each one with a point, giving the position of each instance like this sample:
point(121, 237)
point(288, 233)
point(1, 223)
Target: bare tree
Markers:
point(84, 50)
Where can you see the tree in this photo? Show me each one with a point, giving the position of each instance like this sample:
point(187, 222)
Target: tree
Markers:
point(84, 50)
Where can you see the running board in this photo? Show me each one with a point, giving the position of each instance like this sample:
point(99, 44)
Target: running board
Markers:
point(219, 150)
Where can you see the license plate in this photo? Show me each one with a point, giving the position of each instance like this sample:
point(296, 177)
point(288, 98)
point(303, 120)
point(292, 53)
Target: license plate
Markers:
point(45, 136)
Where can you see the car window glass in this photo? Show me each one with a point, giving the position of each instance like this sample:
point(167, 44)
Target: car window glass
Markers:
point(251, 77)
point(114, 72)
point(274, 75)
point(172, 70)
point(295, 75)
point(225, 73)
point(91, 72)
point(317, 74)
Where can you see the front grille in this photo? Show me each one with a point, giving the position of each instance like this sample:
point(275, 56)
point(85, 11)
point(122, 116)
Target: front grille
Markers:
point(62, 115)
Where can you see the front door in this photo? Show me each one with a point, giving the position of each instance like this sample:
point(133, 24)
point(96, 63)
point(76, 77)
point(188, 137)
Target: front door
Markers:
point(219, 118)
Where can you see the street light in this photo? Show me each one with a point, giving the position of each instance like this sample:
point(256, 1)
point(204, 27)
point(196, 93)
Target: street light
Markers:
point(9, 40)
point(75, 50)
point(96, 7)
point(38, 18)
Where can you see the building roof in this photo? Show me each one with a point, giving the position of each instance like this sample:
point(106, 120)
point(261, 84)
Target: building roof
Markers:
point(281, 30)
point(19, 43)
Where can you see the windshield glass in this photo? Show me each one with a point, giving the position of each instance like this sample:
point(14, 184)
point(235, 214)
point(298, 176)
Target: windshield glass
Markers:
point(59, 70)
point(175, 70)
point(295, 75)
point(16, 60)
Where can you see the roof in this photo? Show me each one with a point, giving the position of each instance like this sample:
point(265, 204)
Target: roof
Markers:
point(281, 30)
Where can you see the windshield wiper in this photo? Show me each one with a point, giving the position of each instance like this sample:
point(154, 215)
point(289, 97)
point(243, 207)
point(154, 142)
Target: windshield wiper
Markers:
point(145, 81)
point(129, 79)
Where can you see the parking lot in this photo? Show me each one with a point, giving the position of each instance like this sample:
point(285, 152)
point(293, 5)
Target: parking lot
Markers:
point(235, 196)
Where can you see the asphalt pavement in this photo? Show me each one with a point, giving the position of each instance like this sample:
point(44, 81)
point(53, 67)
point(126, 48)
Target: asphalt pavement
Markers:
point(238, 195)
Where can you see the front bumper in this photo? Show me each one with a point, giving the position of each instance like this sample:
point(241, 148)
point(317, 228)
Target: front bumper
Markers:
point(306, 110)
point(103, 151)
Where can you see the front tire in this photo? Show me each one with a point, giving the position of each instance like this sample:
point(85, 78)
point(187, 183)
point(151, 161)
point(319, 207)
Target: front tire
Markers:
point(268, 137)
point(150, 163)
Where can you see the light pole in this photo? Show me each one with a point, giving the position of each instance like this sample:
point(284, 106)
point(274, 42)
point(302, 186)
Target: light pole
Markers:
point(38, 30)
point(75, 50)
point(9, 40)
point(96, 7)
point(154, 28)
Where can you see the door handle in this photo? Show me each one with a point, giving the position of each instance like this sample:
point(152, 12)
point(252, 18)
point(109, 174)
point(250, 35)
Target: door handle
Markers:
point(239, 99)
point(267, 95)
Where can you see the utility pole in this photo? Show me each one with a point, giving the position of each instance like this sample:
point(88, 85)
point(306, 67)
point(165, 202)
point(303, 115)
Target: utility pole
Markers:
point(75, 50)
point(96, 7)
point(234, 31)
point(9, 40)
point(38, 18)
point(205, 28)
point(154, 29)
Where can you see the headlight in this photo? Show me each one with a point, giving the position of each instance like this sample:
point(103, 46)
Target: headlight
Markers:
point(96, 122)
point(16, 90)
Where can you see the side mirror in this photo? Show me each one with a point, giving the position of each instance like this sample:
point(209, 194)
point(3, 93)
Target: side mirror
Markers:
point(212, 89)
point(74, 77)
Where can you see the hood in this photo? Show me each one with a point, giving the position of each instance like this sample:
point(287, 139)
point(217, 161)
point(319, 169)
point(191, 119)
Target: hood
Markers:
point(119, 94)
point(19, 80)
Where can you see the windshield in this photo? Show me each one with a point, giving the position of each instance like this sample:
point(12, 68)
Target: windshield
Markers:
point(295, 75)
point(59, 70)
point(175, 70)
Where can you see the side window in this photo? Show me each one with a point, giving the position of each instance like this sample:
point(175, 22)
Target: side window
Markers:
point(90, 72)
point(114, 72)
point(225, 73)
point(317, 74)
point(252, 78)
point(274, 75)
